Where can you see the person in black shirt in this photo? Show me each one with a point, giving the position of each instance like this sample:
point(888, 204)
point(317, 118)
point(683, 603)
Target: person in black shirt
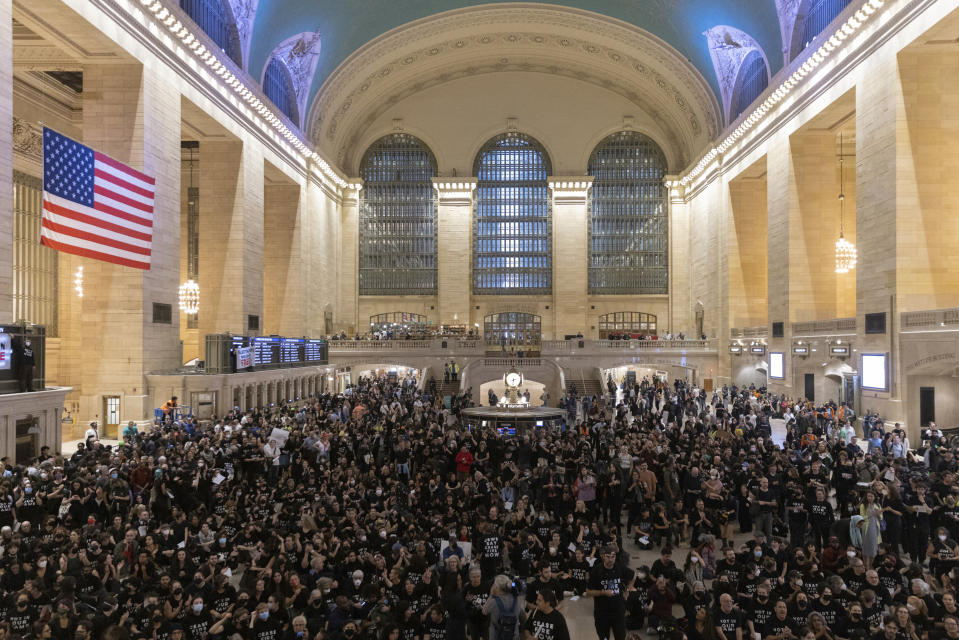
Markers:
point(609, 584)
point(729, 620)
point(546, 623)
point(778, 626)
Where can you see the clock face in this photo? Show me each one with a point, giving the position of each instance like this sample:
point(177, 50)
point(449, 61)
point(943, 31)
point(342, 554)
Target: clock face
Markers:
point(512, 379)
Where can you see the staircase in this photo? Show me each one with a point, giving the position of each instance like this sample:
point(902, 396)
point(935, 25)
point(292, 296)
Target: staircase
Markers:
point(447, 388)
point(590, 387)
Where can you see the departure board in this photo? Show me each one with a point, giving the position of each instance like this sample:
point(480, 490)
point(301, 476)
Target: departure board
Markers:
point(291, 350)
point(315, 351)
point(266, 351)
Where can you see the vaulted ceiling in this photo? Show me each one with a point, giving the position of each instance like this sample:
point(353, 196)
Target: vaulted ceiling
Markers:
point(344, 26)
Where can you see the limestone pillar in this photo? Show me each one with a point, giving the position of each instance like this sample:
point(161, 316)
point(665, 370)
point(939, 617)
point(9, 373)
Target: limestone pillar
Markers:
point(781, 205)
point(680, 314)
point(231, 236)
point(349, 258)
point(284, 267)
point(6, 162)
point(133, 115)
point(455, 224)
point(570, 254)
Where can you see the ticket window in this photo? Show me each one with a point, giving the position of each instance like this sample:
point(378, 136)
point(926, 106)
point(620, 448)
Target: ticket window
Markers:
point(111, 418)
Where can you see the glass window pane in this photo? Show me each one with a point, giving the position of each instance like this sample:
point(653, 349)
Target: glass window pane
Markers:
point(397, 218)
point(628, 217)
point(512, 252)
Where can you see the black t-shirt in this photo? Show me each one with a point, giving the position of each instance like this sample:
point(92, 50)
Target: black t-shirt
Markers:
point(761, 614)
point(774, 627)
point(547, 626)
point(616, 580)
point(729, 622)
point(268, 629)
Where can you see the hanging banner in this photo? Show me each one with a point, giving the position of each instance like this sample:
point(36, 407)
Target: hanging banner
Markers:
point(244, 357)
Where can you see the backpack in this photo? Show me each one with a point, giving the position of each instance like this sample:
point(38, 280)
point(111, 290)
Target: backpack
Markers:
point(505, 626)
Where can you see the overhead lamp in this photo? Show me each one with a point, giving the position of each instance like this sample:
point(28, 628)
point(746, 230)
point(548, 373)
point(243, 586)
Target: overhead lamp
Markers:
point(189, 297)
point(846, 254)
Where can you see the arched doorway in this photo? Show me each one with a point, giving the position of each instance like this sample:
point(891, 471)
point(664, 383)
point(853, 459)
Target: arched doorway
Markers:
point(626, 325)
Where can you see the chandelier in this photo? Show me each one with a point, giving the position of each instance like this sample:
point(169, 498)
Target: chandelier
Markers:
point(189, 297)
point(845, 251)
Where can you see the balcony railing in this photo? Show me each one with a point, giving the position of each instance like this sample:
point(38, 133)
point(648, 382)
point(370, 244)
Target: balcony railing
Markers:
point(938, 318)
point(836, 326)
point(548, 347)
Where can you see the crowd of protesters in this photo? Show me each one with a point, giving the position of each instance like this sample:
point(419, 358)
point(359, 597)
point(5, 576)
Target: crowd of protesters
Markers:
point(372, 514)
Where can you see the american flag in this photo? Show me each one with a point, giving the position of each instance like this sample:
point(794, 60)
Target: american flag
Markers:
point(94, 206)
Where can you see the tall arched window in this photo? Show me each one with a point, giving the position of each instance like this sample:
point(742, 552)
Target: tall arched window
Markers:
point(216, 19)
point(397, 218)
point(278, 87)
point(819, 13)
point(752, 81)
point(628, 219)
point(512, 248)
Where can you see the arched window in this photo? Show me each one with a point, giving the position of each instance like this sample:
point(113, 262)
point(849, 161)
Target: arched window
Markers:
point(628, 219)
point(216, 19)
point(752, 81)
point(513, 332)
point(512, 252)
point(634, 324)
point(278, 87)
point(819, 13)
point(397, 218)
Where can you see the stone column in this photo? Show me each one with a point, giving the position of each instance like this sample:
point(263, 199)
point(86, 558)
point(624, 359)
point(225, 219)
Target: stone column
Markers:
point(231, 235)
point(570, 254)
point(6, 162)
point(349, 257)
point(131, 113)
point(679, 307)
point(284, 267)
point(781, 209)
point(454, 250)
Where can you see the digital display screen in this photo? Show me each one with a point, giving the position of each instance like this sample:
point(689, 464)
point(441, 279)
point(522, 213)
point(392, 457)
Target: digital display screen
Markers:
point(839, 351)
point(735, 349)
point(315, 351)
point(801, 350)
point(291, 350)
point(874, 372)
point(777, 365)
point(265, 351)
point(758, 350)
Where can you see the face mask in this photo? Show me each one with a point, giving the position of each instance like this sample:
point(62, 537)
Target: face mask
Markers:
point(642, 575)
point(758, 553)
point(28, 489)
point(222, 541)
point(943, 538)
point(197, 608)
point(349, 632)
point(114, 476)
point(552, 549)
point(362, 538)
point(382, 534)
point(694, 559)
point(300, 634)
point(758, 572)
point(379, 492)
point(851, 554)
point(799, 583)
point(264, 615)
point(357, 582)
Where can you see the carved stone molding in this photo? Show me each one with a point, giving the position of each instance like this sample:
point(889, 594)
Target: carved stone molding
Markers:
point(728, 48)
point(619, 57)
point(300, 54)
point(27, 139)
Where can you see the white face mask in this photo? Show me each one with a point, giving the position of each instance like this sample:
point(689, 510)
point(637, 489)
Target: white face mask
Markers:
point(851, 554)
point(357, 581)
point(694, 559)
point(943, 538)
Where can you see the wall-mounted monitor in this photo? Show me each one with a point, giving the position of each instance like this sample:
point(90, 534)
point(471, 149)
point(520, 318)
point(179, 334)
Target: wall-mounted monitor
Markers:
point(839, 351)
point(735, 349)
point(801, 351)
point(759, 351)
point(875, 371)
point(777, 365)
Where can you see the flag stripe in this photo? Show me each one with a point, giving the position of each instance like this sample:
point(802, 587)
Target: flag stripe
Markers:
point(70, 222)
point(79, 234)
point(95, 206)
point(129, 188)
point(88, 252)
point(116, 197)
point(101, 205)
point(122, 168)
point(134, 226)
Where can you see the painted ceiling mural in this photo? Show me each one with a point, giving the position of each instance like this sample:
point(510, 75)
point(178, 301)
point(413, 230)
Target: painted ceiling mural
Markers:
point(346, 25)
